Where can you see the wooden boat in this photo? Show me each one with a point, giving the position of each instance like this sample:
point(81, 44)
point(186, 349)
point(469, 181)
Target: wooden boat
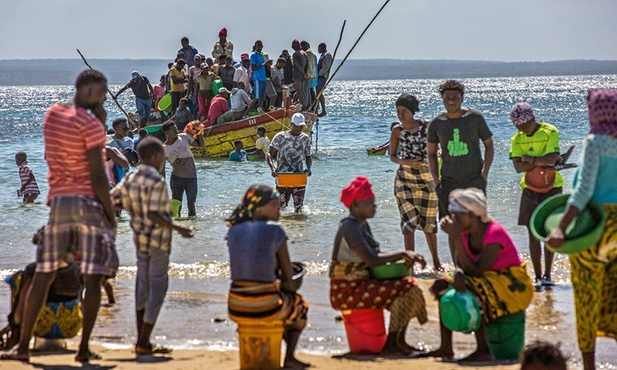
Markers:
point(219, 139)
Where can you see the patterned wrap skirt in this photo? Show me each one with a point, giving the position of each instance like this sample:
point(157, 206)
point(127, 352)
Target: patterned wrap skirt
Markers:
point(594, 277)
point(416, 199)
point(251, 300)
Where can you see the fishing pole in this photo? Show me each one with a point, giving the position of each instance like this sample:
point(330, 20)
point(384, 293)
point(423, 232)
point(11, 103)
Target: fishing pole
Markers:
point(110, 93)
point(349, 52)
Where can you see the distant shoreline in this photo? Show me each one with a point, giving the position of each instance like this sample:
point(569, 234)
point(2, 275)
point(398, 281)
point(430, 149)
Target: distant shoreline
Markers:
point(16, 72)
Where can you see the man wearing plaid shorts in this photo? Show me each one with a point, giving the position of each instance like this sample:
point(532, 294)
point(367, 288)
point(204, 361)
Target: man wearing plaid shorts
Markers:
point(81, 216)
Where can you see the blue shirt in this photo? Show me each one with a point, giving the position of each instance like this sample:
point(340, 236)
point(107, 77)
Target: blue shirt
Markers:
point(252, 250)
point(257, 59)
point(235, 157)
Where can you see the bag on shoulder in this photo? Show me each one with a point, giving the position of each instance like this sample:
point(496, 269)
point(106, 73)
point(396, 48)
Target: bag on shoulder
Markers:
point(540, 179)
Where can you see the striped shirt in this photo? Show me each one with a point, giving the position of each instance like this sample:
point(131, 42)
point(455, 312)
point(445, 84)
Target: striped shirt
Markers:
point(69, 133)
point(140, 192)
point(24, 176)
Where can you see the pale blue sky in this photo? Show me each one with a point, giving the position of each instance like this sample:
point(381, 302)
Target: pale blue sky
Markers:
point(524, 30)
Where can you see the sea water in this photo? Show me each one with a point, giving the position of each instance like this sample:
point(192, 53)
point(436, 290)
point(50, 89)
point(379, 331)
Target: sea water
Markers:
point(359, 116)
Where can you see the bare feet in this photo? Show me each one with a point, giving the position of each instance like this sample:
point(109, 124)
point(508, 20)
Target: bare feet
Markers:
point(16, 356)
point(478, 356)
point(294, 363)
point(437, 353)
point(87, 356)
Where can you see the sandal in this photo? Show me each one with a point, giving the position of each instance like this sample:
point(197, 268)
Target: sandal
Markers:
point(153, 350)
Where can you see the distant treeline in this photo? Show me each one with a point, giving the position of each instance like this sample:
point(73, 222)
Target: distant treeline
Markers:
point(118, 71)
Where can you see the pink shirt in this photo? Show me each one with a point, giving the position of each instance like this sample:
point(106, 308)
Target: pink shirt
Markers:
point(218, 106)
point(496, 234)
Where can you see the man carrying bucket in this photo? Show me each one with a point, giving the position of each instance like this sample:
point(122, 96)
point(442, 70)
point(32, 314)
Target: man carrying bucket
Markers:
point(289, 147)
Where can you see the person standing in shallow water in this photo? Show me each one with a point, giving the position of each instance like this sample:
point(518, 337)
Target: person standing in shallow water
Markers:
point(413, 186)
point(534, 147)
point(458, 132)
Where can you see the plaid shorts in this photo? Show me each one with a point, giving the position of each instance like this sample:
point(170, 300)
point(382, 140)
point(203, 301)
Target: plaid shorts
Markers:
point(416, 199)
point(77, 224)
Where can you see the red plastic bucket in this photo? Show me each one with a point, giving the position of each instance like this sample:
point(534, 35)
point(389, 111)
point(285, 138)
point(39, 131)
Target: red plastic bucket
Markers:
point(366, 331)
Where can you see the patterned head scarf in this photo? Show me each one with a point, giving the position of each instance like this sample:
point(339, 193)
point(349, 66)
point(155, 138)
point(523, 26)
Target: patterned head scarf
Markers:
point(602, 105)
point(358, 190)
point(470, 200)
point(521, 113)
point(256, 196)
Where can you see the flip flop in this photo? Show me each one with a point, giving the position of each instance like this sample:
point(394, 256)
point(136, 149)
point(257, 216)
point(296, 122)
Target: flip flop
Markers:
point(15, 357)
point(153, 350)
point(88, 357)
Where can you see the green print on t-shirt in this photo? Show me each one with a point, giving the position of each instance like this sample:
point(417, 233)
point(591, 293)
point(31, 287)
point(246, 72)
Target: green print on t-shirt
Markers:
point(456, 147)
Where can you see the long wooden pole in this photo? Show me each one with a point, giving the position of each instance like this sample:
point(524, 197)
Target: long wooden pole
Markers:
point(133, 125)
point(350, 50)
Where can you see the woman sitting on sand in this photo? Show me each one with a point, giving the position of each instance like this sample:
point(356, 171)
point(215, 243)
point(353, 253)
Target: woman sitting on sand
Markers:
point(355, 250)
point(488, 265)
point(594, 271)
point(257, 249)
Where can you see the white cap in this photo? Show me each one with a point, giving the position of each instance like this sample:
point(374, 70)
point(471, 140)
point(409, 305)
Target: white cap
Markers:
point(298, 119)
point(223, 90)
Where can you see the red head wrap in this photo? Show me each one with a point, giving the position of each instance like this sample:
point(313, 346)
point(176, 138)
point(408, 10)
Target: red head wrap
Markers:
point(223, 32)
point(358, 190)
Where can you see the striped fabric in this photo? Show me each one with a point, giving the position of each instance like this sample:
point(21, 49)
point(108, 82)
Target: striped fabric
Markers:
point(24, 176)
point(69, 132)
point(140, 192)
point(265, 302)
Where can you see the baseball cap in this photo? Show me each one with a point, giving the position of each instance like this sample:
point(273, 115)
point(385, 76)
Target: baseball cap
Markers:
point(134, 74)
point(298, 119)
point(244, 56)
point(223, 90)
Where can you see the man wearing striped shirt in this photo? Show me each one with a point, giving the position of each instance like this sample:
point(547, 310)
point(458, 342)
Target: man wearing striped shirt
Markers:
point(144, 195)
point(81, 216)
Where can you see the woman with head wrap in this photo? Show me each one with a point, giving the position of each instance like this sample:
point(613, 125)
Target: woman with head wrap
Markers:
point(355, 250)
point(414, 188)
point(488, 266)
point(257, 249)
point(594, 271)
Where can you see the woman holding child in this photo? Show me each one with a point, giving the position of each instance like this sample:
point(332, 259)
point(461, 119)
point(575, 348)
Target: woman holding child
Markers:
point(355, 250)
point(488, 266)
point(257, 249)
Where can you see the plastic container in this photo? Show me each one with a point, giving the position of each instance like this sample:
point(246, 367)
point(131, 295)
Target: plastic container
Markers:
point(153, 128)
point(366, 331)
point(291, 180)
point(165, 103)
point(585, 230)
point(216, 85)
point(506, 336)
point(387, 271)
point(260, 344)
point(175, 207)
point(459, 311)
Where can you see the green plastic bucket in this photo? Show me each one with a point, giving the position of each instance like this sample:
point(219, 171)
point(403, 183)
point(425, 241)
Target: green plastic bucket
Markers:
point(165, 103)
point(506, 336)
point(459, 311)
point(175, 207)
point(216, 85)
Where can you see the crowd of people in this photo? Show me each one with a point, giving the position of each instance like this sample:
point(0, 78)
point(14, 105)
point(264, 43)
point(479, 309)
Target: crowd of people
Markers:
point(443, 170)
point(221, 88)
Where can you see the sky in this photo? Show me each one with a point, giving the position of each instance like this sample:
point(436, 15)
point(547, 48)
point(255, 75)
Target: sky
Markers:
point(494, 30)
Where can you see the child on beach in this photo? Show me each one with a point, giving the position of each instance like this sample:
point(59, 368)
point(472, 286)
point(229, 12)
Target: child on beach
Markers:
point(351, 286)
point(257, 249)
point(144, 195)
point(414, 188)
point(541, 355)
point(29, 188)
point(489, 267)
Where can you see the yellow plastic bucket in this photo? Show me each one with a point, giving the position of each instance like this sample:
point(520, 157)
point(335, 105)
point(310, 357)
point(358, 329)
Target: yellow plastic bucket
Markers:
point(260, 344)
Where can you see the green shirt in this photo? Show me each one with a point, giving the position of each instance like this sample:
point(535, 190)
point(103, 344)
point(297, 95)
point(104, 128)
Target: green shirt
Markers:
point(544, 141)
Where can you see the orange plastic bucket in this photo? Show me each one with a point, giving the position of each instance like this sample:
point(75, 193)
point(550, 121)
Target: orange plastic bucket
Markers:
point(291, 180)
point(366, 331)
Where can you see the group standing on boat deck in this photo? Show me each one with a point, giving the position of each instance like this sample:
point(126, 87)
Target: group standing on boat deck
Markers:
point(82, 221)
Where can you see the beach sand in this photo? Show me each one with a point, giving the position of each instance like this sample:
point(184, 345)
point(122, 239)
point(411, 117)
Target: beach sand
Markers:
point(200, 359)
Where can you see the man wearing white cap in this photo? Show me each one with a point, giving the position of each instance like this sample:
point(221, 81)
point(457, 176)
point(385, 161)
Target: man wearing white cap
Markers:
point(289, 147)
point(143, 91)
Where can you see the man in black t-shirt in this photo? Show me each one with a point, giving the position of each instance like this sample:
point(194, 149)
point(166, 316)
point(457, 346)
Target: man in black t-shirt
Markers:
point(458, 133)
point(144, 92)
